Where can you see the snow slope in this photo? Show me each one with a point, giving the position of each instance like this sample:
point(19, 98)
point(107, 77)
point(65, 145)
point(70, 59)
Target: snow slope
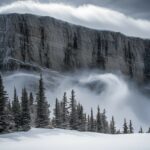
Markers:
point(58, 139)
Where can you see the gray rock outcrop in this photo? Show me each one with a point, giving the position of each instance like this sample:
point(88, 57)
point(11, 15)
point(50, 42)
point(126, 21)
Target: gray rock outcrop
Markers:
point(28, 41)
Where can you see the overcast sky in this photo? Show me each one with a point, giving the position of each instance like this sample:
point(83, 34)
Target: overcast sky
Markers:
point(135, 8)
point(131, 17)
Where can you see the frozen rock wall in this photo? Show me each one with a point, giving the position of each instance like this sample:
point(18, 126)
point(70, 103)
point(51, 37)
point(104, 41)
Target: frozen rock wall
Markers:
point(29, 42)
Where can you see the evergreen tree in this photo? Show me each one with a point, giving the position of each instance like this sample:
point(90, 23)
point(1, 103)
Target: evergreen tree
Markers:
point(99, 121)
point(125, 127)
point(148, 130)
point(84, 123)
point(31, 99)
point(25, 111)
point(104, 122)
point(92, 122)
point(16, 110)
point(88, 124)
point(42, 117)
point(10, 117)
point(73, 112)
point(6, 122)
point(9, 106)
point(131, 130)
point(32, 109)
point(112, 126)
point(57, 115)
point(65, 113)
point(81, 118)
point(141, 130)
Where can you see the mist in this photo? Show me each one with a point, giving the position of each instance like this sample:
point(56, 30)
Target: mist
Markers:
point(87, 15)
point(110, 91)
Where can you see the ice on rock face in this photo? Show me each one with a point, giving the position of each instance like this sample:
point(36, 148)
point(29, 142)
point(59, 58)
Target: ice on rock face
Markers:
point(28, 41)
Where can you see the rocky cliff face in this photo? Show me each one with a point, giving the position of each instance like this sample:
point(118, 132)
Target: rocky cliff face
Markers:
point(28, 41)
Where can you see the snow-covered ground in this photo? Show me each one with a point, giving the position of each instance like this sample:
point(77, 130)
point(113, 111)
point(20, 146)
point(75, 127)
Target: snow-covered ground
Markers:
point(58, 139)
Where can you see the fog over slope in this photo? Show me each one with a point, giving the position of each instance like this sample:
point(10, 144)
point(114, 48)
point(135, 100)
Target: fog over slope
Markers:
point(110, 91)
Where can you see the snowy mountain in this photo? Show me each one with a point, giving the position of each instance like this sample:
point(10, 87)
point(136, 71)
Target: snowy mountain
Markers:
point(83, 84)
point(30, 42)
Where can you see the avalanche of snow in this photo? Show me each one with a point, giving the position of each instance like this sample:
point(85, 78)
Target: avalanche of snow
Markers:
point(58, 139)
point(109, 91)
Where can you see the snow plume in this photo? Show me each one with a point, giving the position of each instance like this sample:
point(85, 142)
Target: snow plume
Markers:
point(92, 88)
point(86, 15)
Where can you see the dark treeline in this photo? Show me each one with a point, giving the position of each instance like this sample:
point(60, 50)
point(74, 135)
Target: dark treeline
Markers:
point(20, 114)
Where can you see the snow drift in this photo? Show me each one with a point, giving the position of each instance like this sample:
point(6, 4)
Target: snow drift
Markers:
point(57, 139)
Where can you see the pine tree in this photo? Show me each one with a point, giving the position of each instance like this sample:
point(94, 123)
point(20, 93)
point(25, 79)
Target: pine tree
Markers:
point(112, 126)
point(9, 106)
point(42, 117)
point(148, 130)
point(32, 106)
point(31, 99)
point(84, 123)
point(80, 115)
point(125, 127)
point(105, 122)
point(65, 113)
point(16, 110)
point(88, 124)
point(73, 112)
point(99, 121)
point(92, 122)
point(57, 115)
point(6, 122)
point(81, 118)
point(131, 130)
point(25, 111)
point(10, 117)
point(141, 130)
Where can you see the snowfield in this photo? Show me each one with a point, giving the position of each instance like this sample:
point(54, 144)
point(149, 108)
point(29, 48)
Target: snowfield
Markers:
point(58, 139)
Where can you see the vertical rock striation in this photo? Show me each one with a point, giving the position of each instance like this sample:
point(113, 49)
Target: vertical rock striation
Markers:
point(28, 41)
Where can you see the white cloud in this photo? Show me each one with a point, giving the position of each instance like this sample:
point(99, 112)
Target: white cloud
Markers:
point(86, 15)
